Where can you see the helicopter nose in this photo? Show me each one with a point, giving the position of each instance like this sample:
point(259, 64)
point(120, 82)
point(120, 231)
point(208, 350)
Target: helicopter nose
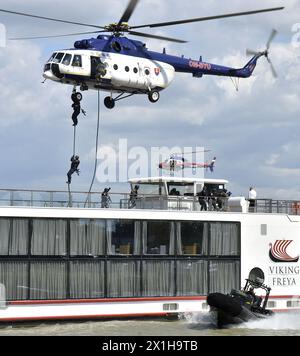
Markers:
point(52, 72)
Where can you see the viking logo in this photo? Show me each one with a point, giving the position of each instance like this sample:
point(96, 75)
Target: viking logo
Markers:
point(277, 252)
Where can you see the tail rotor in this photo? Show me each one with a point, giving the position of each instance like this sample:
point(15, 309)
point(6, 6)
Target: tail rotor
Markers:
point(265, 53)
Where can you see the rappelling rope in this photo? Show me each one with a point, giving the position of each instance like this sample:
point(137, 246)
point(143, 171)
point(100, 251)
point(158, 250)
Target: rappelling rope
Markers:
point(74, 141)
point(96, 151)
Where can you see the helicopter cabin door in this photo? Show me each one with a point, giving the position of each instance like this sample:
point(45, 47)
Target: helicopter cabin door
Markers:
point(95, 61)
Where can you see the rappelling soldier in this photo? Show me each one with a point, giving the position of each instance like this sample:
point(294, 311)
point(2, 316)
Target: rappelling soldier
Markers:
point(74, 168)
point(76, 98)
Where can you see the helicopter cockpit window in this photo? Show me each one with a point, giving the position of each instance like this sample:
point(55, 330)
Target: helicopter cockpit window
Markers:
point(52, 57)
point(58, 57)
point(77, 61)
point(67, 59)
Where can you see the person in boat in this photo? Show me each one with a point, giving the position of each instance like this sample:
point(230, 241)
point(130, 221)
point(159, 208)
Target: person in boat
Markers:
point(252, 199)
point(202, 197)
point(133, 196)
point(105, 198)
point(74, 168)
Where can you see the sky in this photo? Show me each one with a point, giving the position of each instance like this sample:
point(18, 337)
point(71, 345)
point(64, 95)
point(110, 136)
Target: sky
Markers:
point(254, 133)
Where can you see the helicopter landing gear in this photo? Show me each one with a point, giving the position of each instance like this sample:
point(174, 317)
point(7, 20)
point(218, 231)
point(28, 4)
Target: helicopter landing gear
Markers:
point(109, 102)
point(153, 96)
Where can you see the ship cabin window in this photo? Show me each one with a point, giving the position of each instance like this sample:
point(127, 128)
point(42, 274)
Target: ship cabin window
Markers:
point(158, 238)
point(214, 188)
point(183, 189)
point(151, 189)
point(116, 67)
point(14, 237)
point(135, 70)
point(127, 69)
point(52, 57)
point(122, 237)
point(77, 61)
point(58, 57)
point(147, 71)
point(67, 59)
point(87, 237)
point(192, 238)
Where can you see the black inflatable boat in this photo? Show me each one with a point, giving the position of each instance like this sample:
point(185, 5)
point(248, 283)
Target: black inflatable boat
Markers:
point(241, 305)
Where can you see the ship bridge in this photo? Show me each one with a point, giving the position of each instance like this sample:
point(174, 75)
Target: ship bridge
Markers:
point(153, 193)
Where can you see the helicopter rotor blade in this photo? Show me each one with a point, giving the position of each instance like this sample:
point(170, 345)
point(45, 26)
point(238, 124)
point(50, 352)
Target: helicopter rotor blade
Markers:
point(129, 11)
point(179, 22)
point(272, 68)
point(251, 52)
point(50, 19)
point(272, 36)
point(53, 36)
point(156, 37)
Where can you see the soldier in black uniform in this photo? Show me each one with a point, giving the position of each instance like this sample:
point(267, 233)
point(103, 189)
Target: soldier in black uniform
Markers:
point(76, 98)
point(74, 168)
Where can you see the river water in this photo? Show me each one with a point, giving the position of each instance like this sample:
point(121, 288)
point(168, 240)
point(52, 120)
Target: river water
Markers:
point(283, 324)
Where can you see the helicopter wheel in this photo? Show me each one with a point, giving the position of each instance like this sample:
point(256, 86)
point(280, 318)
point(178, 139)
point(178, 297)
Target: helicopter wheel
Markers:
point(77, 96)
point(109, 102)
point(153, 96)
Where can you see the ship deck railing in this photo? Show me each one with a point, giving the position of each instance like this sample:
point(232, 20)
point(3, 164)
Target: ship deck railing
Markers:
point(80, 199)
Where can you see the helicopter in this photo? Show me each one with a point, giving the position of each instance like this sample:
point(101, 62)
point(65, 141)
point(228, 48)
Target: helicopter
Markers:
point(176, 163)
point(125, 67)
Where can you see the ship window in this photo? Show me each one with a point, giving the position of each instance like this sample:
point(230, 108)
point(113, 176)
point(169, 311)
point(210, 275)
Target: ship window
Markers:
point(77, 61)
point(158, 278)
point(147, 71)
point(87, 237)
point(116, 67)
point(135, 70)
point(67, 59)
point(48, 237)
point(192, 277)
point(52, 57)
point(14, 276)
point(224, 276)
point(48, 280)
point(224, 239)
point(151, 189)
point(158, 238)
point(192, 238)
point(87, 279)
point(170, 306)
point(181, 188)
point(58, 57)
point(123, 279)
point(123, 237)
point(14, 237)
point(127, 69)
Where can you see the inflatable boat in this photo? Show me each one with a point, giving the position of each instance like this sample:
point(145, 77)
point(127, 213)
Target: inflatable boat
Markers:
point(241, 305)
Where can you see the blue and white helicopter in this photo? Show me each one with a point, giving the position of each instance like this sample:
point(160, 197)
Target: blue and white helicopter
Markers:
point(125, 67)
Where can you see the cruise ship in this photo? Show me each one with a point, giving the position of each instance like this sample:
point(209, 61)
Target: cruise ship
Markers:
point(154, 254)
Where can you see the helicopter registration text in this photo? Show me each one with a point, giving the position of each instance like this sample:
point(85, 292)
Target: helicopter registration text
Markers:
point(199, 65)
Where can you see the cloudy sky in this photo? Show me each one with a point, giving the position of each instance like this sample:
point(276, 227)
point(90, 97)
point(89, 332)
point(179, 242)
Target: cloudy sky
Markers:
point(254, 132)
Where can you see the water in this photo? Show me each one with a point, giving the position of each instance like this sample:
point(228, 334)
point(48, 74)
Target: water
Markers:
point(283, 324)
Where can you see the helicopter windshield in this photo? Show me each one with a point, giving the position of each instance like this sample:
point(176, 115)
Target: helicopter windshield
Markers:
point(52, 57)
point(58, 57)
